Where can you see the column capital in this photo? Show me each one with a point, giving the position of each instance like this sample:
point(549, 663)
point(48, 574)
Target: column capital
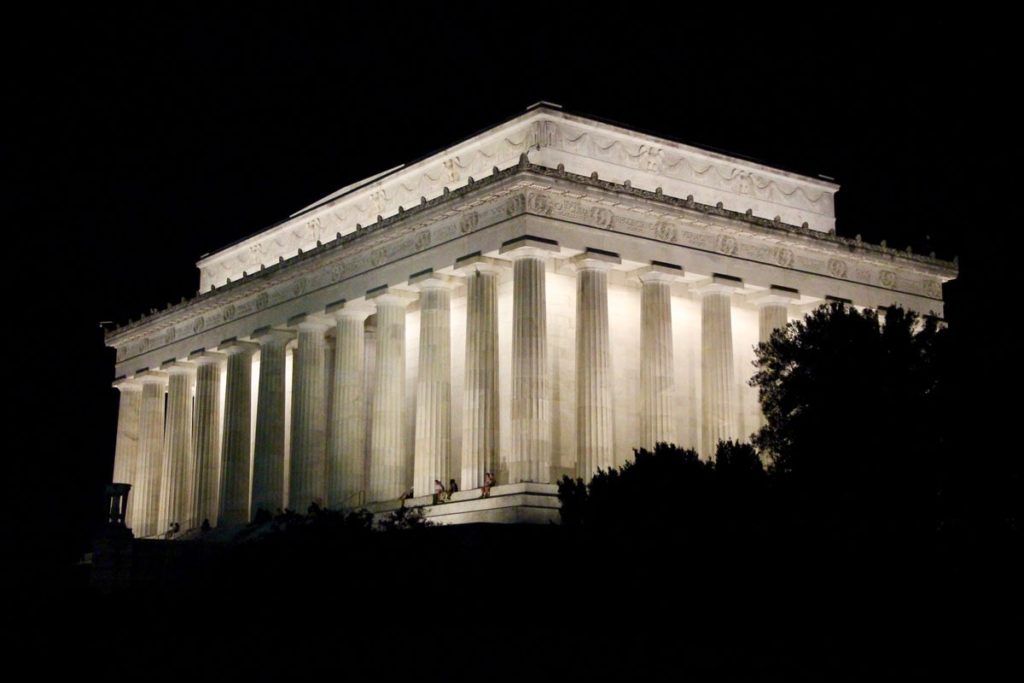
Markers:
point(471, 263)
point(178, 367)
point(386, 295)
point(428, 279)
point(204, 357)
point(272, 335)
point(343, 309)
point(775, 296)
point(719, 284)
point(124, 384)
point(529, 247)
point(232, 347)
point(310, 321)
point(152, 377)
point(595, 260)
point(845, 303)
point(658, 271)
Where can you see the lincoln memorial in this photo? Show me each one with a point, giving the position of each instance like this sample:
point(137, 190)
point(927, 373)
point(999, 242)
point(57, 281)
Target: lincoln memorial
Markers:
point(535, 301)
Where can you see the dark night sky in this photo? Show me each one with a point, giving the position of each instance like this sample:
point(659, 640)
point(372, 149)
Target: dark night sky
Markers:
point(138, 141)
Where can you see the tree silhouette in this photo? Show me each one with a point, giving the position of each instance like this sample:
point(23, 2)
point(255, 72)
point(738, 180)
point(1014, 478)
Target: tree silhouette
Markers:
point(670, 495)
point(854, 430)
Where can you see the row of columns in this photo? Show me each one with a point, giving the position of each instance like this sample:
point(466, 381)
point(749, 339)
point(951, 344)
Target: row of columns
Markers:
point(186, 473)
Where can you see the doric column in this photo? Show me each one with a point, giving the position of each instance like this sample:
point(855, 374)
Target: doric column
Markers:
point(329, 353)
point(773, 309)
point(206, 437)
point(346, 452)
point(268, 458)
point(530, 458)
point(657, 364)
point(480, 388)
point(146, 508)
point(432, 450)
point(233, 504)
point(717, 389)
point(369, 392)
point(594, 429)
point(388, 458)
point(126, 449)
point(308, 472)
point(179, 464)
point(772, 314)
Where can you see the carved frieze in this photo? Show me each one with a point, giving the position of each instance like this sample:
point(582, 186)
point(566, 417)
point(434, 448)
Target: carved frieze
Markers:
point(861, 274)
point(468, 222)
point(398, 238)
point(665, 231)
point(722, 174)
point(601, 217)
point(837, 268)
point(546, 134)
point(630, 225)
point(538, 203)
point(727, 245)
point(313, 227)
point(515, 206)
point(337, 272)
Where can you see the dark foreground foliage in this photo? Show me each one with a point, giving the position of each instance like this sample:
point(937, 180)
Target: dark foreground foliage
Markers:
point(873, 545)
point(757, 580)
point(875, 541)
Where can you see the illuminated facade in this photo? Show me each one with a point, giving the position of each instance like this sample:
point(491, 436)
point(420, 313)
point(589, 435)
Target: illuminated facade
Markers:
point(535, 301)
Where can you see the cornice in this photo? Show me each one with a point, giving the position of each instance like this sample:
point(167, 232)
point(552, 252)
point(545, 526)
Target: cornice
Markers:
point(774, 225)
point(367, 237)
point(539, 191)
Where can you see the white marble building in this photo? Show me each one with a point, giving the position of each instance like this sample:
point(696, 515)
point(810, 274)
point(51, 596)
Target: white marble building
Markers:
point(535, 301)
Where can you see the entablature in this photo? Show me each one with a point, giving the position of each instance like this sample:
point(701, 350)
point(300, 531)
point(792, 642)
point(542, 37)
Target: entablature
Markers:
point(575, 211)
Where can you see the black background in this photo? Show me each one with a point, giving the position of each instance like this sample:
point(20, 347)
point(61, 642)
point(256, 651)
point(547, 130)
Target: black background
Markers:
point(138, 140)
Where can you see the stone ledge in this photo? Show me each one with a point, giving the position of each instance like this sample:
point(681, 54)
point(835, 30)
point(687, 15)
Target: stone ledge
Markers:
point(522, 503)
point(520, 508)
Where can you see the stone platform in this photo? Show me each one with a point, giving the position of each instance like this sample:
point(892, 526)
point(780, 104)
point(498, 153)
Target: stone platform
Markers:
point(523, 503)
